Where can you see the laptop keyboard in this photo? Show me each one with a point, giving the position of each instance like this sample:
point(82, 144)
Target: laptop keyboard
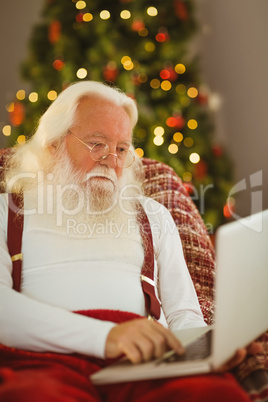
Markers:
point(197, 350)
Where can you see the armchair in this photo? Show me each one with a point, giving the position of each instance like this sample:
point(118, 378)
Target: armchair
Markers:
point(163, 185)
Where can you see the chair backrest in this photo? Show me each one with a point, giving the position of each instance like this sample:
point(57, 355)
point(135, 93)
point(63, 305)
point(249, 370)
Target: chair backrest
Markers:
point(163, 185)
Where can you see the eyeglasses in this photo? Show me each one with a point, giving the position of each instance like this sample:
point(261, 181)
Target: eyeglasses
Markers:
point(99, 151)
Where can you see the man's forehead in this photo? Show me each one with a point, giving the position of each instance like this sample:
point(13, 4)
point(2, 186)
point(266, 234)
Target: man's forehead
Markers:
point(124, 138)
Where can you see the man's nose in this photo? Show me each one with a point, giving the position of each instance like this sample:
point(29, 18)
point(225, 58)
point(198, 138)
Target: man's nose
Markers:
point(109, 161)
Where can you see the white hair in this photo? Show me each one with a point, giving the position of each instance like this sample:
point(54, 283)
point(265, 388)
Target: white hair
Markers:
point(57, 120)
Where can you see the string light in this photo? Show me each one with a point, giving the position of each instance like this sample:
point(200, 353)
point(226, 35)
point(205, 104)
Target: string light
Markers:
point(80, 5)
point(81, 73)
point(10, 107)
point(105, 14)
point(6, 130)
point(187, 176)
point(180, 68)
point(20, 95)
point(141, 133)
point(194, 157)
point(52, 95)
point(159, 130)
point(158, 140)
point(152, 11)
point(33, 97)
point(185, 101)
point(21, 139)
point(125, 59)
point(178, 137)
point(155, 83)
point(173, 148)
point(192, 92)
point(192, 124)
point(143, 32)
point(166, 85)
point(128, 65)
point(125, 14)
point(142, 77)
point(149, 47)
point(87, 17)
point(139, 152)
point(188, 142)
point(181, 89)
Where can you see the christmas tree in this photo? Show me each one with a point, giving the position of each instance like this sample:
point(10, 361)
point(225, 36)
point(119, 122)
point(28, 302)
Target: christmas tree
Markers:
point(143, 48)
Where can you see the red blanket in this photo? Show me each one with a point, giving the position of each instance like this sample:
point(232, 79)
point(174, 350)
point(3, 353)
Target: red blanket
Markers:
point(53, 377)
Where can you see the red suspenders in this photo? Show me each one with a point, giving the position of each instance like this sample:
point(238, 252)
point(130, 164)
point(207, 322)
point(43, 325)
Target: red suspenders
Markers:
point(14, 239)
point(14, 236)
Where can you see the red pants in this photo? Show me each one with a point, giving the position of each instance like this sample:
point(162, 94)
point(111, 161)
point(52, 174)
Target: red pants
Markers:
point(50, 377)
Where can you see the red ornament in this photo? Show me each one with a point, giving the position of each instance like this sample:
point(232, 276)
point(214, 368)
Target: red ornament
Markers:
point(228, 211)
point(181, 10)
point(79, 17)
point(189, 188)
point(217, 151)
point(202, 98)
point(164, 74)
point(172, 74)
point(175, 121)
point(110, 73)
point(201, 169)
point(54, 31)
point(16, 117)
point(58, 65)
point(137, 25)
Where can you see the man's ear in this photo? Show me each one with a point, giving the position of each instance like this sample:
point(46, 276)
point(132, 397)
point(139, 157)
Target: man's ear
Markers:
point(52, 148)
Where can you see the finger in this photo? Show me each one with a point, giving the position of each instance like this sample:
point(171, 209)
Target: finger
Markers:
point(237, 359)
point(170, 339)
point(254, 348)
point(132, 352)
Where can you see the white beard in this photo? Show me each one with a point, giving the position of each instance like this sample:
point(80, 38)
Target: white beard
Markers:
point(95, 198)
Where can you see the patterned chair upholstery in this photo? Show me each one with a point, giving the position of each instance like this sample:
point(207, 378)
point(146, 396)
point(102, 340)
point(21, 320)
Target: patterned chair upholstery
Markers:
point(163, 185)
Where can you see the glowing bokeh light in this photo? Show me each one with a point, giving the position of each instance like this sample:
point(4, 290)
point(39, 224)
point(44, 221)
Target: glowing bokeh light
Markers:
point(6, 130)
point(192, 124)
point(139, 152)
point(87, 17)
point(52, 95)
point(192, 92)
point(20, 95)
point(178, 137)
point(180, 68)
point(158, 140)
point(105, 14)
point(33, 97)
point(194, 157)
point(152, 11)
point(81, 73)
point(159, 130)
point(21, 139)
point(166, 85)
point(80, 5)
point(125, 14)
point(173, 148)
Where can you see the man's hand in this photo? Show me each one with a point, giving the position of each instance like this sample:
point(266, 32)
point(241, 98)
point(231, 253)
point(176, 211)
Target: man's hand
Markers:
point(240, 356)
point(140, 340)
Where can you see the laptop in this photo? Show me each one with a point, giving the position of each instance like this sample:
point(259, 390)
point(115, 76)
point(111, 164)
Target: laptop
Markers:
point(241, 300)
